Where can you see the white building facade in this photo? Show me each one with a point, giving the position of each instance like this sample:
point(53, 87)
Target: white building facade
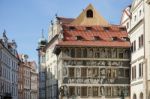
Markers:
point(55, 30)
point(8, 68)
point(136, 19)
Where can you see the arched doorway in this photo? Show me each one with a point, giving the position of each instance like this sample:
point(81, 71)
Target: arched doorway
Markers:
point(141, 95)
point(134, 96)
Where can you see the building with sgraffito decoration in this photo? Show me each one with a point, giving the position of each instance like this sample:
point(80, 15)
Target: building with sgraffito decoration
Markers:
point(93, 58)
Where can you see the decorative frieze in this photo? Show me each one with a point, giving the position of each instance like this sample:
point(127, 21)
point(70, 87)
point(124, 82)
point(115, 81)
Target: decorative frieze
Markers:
point(96, 63)
point(96, 53)
point(96, 91)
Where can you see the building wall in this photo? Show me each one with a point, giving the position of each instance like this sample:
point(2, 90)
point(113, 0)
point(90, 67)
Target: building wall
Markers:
point(92, 74)
point(28, 79)
point(20, 81)
point(51, 61)
point(147, 45)
point(51, 80)
point(8, 69)
point(34, 85)
point(139, 21)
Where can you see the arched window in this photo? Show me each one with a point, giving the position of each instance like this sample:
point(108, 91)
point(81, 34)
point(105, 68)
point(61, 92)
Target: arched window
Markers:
point(141, 95)
point(134, 96)
point(89, 13)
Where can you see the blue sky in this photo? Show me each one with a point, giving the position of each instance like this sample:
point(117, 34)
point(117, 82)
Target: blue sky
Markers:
point(24, 20)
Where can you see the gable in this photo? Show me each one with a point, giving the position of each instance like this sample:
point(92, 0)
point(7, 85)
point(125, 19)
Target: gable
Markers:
point(90, 16)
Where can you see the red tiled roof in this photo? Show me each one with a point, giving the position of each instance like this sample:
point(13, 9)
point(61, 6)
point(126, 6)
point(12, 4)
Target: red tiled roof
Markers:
point(94, 43)
point(106, 34)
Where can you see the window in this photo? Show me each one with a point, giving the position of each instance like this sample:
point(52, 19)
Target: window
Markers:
point(88, 28)
point(95, 91)
point(133, 48)
point(71, 91)
point(78, 52)
point(134, 45)
point(84, 53)
point(141, 41)
point(66, 52)
point(141, 95)
point(140, 13)
point(108, 90)
point(96, 38)
point(89, 13)
point(71, 72)
point(106, 28)
point(134, 96)
point(134, 73)
point(72, 28)
point(83, 91)
point(125, 39)
point(114, 38)
point(95, 72)
point(89, 91)
point(79, 38)
point(83, 72)
point(135, 18)
point(127, 26)
point(43, 59)
point(120, 55)
point(127, 73)
point(141, 70)
point(72, 52)
point(122, 28)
